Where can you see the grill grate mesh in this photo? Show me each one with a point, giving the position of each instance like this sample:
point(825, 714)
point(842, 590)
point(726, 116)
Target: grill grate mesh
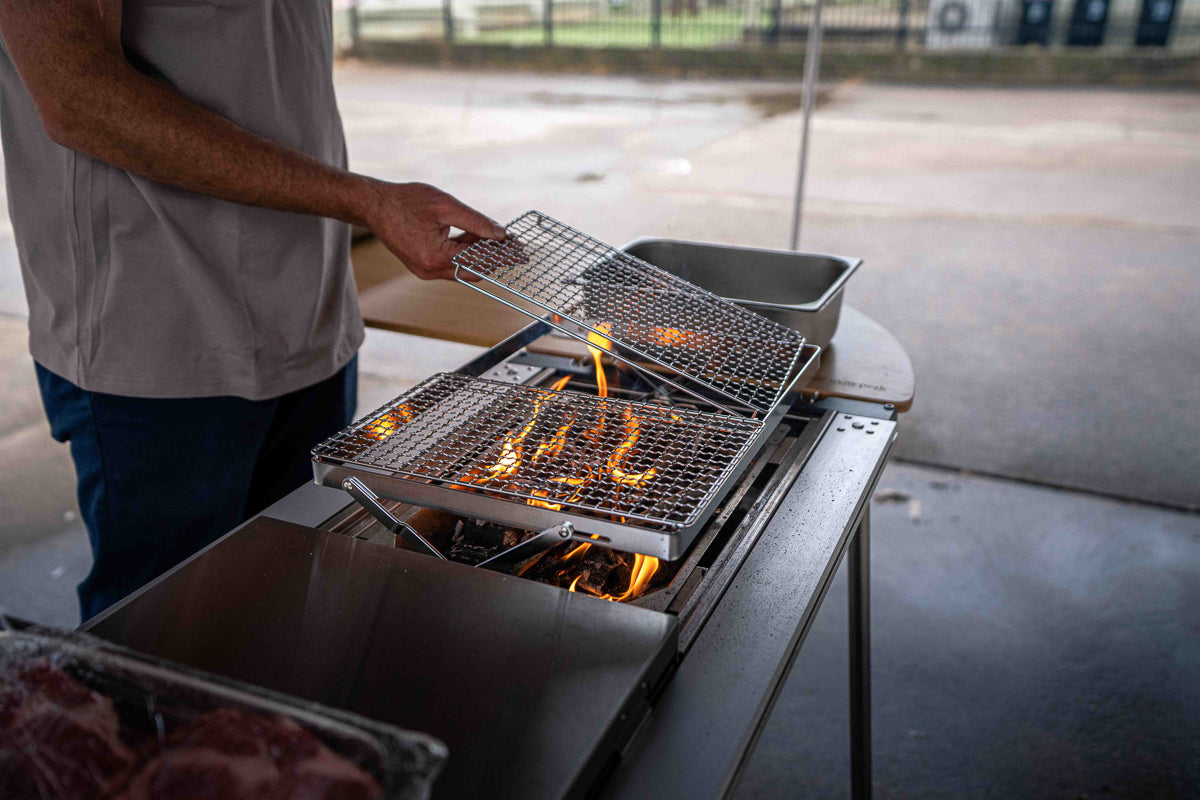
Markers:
point(626, 461)
point(661, 318)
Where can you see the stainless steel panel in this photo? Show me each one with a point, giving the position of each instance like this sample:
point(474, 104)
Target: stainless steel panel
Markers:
point(532, 688)
point(709, 716)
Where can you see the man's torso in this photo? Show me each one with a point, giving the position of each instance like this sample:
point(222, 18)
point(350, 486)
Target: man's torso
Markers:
point(143, 289)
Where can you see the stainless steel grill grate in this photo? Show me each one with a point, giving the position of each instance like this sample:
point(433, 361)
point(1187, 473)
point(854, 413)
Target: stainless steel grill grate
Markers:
point(565, 451)
point(662, 319)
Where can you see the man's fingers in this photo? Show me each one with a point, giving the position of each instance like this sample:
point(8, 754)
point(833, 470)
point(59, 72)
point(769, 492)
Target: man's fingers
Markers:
point(457, 245)
point(471, 221)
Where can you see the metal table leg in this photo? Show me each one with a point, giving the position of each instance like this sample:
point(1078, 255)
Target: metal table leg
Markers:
point(859, 574)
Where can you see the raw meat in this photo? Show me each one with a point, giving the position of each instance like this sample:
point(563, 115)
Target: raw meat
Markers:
point(229, 753)
point(58, 739)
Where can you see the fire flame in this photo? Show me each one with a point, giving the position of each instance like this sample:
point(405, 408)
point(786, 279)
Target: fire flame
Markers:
point(600, 342)
point(632, 427)
point(512, 454)
point(644, 568)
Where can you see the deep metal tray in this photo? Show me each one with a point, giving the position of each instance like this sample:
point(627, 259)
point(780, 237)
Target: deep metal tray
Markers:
point(802, 291)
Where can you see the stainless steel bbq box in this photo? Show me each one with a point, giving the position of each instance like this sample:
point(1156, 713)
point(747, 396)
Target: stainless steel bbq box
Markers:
point(640, 477)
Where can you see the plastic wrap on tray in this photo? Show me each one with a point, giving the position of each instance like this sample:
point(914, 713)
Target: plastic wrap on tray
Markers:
point(131, 705)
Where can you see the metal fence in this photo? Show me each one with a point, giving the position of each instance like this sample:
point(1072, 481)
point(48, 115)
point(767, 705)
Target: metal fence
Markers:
point(734, 24)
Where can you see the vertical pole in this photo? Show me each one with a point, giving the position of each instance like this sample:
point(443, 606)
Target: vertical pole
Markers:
point(776, 23)
point(859, 574)
point(902, 30)
point(656, 23)
point(355, 31)
point(448, 20)
point(812, 61)
point(548, 22)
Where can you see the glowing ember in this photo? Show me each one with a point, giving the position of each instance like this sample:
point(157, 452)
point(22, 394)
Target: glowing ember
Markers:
point(386, 425)
point(672, 337)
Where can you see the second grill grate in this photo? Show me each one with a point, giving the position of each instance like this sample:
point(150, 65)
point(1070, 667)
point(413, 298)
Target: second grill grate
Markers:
point(604, 294)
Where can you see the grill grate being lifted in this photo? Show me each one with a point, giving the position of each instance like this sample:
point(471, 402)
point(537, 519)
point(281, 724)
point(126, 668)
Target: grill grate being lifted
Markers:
point(560, 450)
point(659, 318)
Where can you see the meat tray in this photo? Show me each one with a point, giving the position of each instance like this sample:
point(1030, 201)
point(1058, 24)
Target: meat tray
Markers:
point(155, 697)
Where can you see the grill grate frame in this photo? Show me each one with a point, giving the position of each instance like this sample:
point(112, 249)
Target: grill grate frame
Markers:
point(450, 428)
point(660, 318)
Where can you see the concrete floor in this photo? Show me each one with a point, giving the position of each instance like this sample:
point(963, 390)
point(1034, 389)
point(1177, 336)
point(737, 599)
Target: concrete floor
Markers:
point(1026, 643)
point(1034, 250)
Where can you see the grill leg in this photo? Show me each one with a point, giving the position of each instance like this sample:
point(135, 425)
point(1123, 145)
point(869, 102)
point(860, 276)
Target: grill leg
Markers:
point(859, 574)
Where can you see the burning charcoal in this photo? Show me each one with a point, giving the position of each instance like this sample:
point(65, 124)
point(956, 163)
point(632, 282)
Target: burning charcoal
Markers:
point(594, 582)
point(474, 541)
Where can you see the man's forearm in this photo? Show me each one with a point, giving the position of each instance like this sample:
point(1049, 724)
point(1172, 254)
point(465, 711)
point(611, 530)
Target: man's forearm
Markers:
point(90, 99)
point(96, 103)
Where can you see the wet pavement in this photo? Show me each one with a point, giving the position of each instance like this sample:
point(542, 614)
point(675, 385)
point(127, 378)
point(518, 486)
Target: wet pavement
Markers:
point(1026, 643)
point(1035, 250)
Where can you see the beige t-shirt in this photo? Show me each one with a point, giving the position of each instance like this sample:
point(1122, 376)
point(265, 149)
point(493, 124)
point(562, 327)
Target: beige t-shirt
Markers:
point(142, 289)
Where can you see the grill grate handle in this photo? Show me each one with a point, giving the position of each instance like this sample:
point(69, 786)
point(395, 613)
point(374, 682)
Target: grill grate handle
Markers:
point(370, 501)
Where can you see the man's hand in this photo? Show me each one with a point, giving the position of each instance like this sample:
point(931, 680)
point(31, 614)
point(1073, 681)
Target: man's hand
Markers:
point(90, 99)
point(414, 219)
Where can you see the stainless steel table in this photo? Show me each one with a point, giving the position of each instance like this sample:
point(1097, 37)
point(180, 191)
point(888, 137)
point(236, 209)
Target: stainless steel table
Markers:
point(700, 731)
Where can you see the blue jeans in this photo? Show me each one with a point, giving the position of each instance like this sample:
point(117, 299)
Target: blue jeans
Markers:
point(161, 479)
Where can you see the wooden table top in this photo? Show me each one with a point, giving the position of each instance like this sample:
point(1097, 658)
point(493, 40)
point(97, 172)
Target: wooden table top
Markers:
point(862, 362)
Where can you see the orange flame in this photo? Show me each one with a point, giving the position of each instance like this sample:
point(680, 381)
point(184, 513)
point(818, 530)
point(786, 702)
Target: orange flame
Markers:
point(632, 433)
point(554, 445)
point(644, 568)
point(597, 338)
point(543, 503)
point(577, 550)
point(511, 449)
point(511, 455)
